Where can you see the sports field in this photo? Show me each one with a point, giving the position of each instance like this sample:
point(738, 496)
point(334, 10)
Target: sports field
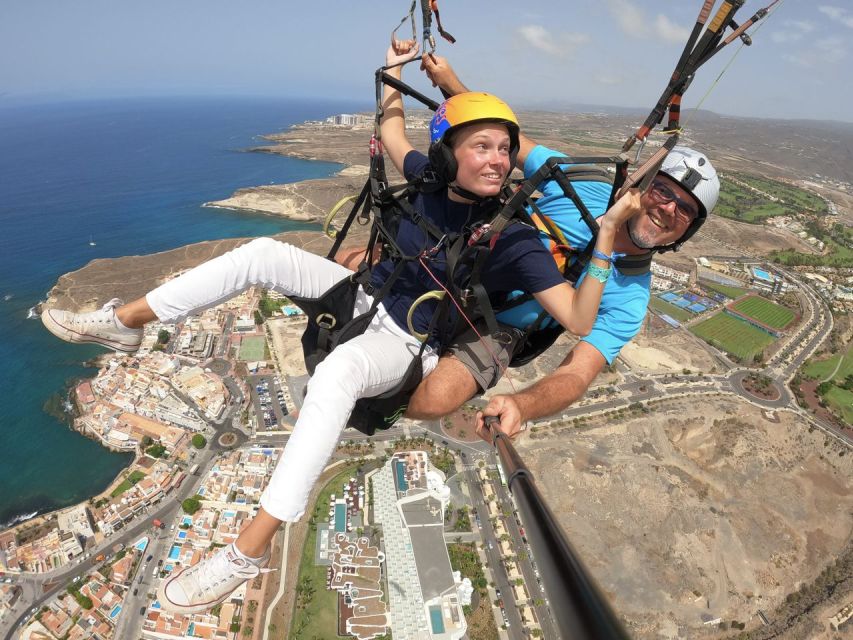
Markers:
point(253, 349)
point(662, 306)
point(735, 336)
point(764, 311)
point(726, 290)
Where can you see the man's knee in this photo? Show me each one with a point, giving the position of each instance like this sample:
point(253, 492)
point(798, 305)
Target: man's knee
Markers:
point(443, 391)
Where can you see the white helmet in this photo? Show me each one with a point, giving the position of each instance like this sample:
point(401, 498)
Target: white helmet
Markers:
point(693, 171)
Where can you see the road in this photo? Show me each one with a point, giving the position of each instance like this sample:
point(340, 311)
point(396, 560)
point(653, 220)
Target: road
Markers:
point(40, 588)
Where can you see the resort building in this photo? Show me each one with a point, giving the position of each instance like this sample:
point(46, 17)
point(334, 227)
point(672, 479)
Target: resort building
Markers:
point(410, 497)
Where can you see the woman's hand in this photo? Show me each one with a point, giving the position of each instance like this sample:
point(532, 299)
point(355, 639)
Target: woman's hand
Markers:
point(401, 51)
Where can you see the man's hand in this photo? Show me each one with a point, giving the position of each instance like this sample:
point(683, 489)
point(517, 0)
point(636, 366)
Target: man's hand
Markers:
point(401, 51)
point(509, 413)
point(625, 208)
point(441, 74)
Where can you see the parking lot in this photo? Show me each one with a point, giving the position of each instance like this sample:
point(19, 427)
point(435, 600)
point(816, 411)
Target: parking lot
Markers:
point(269, 402)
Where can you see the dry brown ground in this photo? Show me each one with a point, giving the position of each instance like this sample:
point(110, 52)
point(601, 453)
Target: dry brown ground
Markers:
point(663, 349)
point(696, 510)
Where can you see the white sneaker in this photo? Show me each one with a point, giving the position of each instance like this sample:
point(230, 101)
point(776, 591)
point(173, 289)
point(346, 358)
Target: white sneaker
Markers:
point(101, 327)
point(204, 585)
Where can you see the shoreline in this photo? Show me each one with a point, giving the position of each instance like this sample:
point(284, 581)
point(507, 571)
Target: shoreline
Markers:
point(319, 194)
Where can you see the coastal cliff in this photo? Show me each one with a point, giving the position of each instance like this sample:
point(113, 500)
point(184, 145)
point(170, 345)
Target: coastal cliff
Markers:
point(131, 277)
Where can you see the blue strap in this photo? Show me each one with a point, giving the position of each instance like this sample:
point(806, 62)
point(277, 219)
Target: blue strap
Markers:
point(603, 256)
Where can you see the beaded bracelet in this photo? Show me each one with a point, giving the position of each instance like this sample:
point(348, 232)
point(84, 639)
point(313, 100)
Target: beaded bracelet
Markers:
point(599, 273)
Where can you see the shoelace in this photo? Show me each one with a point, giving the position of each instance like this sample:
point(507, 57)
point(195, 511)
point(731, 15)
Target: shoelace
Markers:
point(221, 569)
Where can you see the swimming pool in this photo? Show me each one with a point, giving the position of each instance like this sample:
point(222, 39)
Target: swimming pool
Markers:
point(229, 514)
point(436, 619)
point(116, 610)
point(187, 520)
point(175, 552)
point(340, 518)
point(141, 544)
point(168, 567)
point(182, 535)
point(761, 273)
point(400, 468)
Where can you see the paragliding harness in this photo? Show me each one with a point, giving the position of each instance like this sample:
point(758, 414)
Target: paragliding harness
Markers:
point(330, 317)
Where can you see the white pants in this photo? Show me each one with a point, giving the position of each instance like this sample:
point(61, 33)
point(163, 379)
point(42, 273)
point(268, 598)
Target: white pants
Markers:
point(366, 366)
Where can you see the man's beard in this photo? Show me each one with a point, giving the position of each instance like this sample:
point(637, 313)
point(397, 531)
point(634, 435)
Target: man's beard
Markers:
point(641, 241)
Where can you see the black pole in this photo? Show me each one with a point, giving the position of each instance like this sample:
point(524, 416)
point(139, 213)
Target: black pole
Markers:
point(581, 610)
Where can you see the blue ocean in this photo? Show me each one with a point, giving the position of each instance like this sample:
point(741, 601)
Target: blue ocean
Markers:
point(80, 181)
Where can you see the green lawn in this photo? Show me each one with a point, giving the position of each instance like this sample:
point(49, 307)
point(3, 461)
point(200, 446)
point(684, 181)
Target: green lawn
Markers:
point(253, 348)
point(662, 306)
point(842, 400)
point(735, 336)
point(726, 290)
point(793, 196)
point(319, 619)
point(819, 369)
point(127, 483)
point(764, 311)
point(838, 256)
point(740, 203)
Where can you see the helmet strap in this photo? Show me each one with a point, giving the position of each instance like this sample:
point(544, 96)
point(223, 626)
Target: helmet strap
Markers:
point(464, 193)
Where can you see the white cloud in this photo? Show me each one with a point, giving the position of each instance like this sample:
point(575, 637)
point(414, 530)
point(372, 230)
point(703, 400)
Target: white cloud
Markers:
point(630, 18)
point(562, 45)
point(832, 48)
point(839, 14)
point(633, 22)
point(825, 51)
point(668, 31)
point(792, 31)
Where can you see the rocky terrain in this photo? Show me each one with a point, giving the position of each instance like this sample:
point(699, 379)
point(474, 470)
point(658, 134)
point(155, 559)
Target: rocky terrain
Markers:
point(687, 515)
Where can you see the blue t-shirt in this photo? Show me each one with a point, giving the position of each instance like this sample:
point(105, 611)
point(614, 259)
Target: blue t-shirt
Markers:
point(625, 298)
point(519, 259)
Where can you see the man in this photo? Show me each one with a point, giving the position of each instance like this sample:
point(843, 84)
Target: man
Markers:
point(680, 199)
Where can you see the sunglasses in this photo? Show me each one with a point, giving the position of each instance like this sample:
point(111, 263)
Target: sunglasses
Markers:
point(662, 194)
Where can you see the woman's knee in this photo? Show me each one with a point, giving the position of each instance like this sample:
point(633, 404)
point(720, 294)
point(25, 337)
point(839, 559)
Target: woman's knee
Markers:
point(260, 247)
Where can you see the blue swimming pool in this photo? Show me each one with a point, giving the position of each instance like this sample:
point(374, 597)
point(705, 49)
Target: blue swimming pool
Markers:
point(187, 520)
point(116, 610)
point(168, 567)
point(175, 552)
point(341, 518)
point(761, 273)
point(141, 544)
point(182, 535)
point(436, 619)
point(228, 514)
point(400, 468)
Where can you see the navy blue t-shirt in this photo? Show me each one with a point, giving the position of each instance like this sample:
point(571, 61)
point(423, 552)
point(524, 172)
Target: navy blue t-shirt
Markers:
point(518, 261)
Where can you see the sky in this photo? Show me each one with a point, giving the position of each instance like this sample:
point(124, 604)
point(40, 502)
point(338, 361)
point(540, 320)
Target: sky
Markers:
point(532, 53)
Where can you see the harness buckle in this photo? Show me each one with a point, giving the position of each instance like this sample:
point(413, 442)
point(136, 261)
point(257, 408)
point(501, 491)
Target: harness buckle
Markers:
point(503, 337)
point(430, 177)
point(326, 321)
point(478, 233)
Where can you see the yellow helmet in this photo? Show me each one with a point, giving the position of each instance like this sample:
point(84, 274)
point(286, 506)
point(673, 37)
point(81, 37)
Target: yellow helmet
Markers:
point(459, 111)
